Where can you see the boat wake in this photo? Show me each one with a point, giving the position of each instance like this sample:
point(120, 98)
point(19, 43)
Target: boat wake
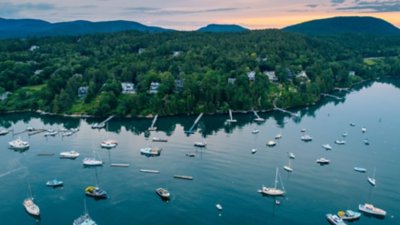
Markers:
point(10, 172)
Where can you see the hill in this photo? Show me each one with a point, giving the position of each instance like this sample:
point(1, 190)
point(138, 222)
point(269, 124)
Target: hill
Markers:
point(22, 28)
point(342, 25)
point(222, 28)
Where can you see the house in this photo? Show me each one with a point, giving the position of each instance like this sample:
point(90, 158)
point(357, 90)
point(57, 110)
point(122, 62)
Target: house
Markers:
point(33, 48)
point(128, 88)
point(176, 53)
point(231, 80)
point(83, 91)
point(154, 87)
point(5, 95)
point(38, 72)
point(271, 76)
point(141, 51)
point(178, 85)
point(352, 73)
point(251, 75)
point(302, 75)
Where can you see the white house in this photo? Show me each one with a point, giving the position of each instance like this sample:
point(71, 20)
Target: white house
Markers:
point(83, 91)
point(302, 75)
point(251, 75)
point(5, 95)
point(176, 53)
point(271, 76)
point(231, 80)
point(141, 51)
point(128, 88)
point(352, 73)
point(154, 87)
point(33, 48)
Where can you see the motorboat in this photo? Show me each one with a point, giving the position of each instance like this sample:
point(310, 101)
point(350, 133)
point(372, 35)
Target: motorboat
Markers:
point(255, 131)
point(84, 220)
point(278, 136)
point(200, 144)
point(323, 161)
point(96, 192)
point(54, 183)
point(69, 155)
point(371, 209)
point(327, 147)
point(109, 144)
point(306, 138)
point(253, 151)
point(288, 168)
point(150, 151)
point(4, 132)
point(50, 132)
point(158, 139)
point(349, 215)
point(271, 143)
point(92, 162)
point(218, 206)
point(259, 119)
point(344, 134)
point(303, 130)
point(352, 124)
point(372, 179)
point(31, 207)
point(340, 142)
point(19, 144)
point(360, 169)
point(190, 154)
point(163, 193)
point(334, 219)
point(273, 191)
point(366, 141)
point(363, 129)
point(291, 155)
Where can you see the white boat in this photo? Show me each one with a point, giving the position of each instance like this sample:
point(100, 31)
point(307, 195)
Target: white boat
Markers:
point(67, 133)
point(200, 144)
point(109, 144)
point(163, 193)
point(340, 142)
point(19, 144)
point(273, 191)
point(349, 215)
point(50, 133)
point(84, 219)
point(291, 155)
point(344, 134)
point(31, 207)
point(96, 192)
point(92, 162)
point(278, 136)
point(323, 161)
point(352, 124)
point(253, 151)
point(360, 169)
point(69, 155)
point(306, 138)
point(255, 131)
point(334, 219)
point(259, 119)
point(4, 132)
point(366, 141)
point(303, 130)
point(54, 183)
point(372, 179)
point(327, 147)
point(151, 151)
point(218, 206)
point(363, 129)
point(98, 125)
point(158, 139)
point(371, 209)
point(288, 167)
point(271, 143)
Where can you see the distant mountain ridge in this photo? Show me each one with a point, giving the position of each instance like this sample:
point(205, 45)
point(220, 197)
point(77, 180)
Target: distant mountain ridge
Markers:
point(342, 25)
point(22, 28)
point(222, 28)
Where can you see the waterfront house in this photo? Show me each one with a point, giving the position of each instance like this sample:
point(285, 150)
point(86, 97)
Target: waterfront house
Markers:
point(83, 91)
point(128, 88)
point(141, 51)
point(179, 85)
point(352, 73)
point(5, 95)
point(231, 80)
point(33, 48)
point(176, 53)
point(154, 87)
point(271, 76)
point(251, 75)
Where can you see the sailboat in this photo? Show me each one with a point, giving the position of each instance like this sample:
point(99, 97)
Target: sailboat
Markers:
point(92, 161)
point(84, 219)
point(273, 191)
point(30, 205)
point(95, 191)
point(231, 120)
point(108, 143)
point(288, 167)
point(372, 180)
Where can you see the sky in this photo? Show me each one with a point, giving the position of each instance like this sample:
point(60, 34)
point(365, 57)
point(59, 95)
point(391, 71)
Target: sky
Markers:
point(192, 14)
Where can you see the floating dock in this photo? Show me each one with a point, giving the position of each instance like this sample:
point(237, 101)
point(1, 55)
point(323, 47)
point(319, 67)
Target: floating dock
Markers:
point(152, 127)
point(190, 131)
point(184, 177)
point(149, 171)
point(45, 154)
point(119, 164)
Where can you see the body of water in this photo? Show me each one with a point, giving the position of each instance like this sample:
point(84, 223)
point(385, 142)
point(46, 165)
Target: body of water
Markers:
point(224, 172)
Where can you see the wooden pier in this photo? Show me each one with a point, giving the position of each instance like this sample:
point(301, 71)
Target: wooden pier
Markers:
point(190, 131)
point(231, 120)
point(283, 110)
point(332, 96)
point(152, 127)
point(258, 118)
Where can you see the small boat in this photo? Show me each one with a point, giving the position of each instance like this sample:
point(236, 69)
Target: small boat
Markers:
point(98, 125)
point(344, 134)
point(273, 191)
point(306, 138)
point(277, 202)
point(288, 168)
point(363, 129)
point(163, 193)
point(109, 144)
point(158, 139)
point(69, 155)
point(366, 141)
point(340, 142)
point(200, 144)
point(360, 169)
point(84, 220)
point(271, 143)
point(327, 147)
point(253, 151)
point(96, 192)
point(291, 155)
point(259, 119)
point(334, 219)
point(19, 144)
point(323, 161)
point(190, 154)
point(219, 207)
point(4, 132)
point(150, 151)
point(371, 209)
point(255, 131)
point(278, 136)
point(30, 129)
point(352, 124)
point(92, 162)
point(67, 133)
point(54, 183)
point(372, 179)
point(349, 215)
point(303, 130)
point(31, 207)
point(50, 132)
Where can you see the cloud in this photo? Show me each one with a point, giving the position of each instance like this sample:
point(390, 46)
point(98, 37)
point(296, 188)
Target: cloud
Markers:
point(373, 6)
point(8, 9)
point(312, 6)
point(161, 11)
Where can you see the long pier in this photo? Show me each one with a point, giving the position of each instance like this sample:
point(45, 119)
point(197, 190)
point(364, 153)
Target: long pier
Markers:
point(258, 118)
point(152, 127)
point(231, 120)
point(283, 110)
point(332, 96)
point(190, 131)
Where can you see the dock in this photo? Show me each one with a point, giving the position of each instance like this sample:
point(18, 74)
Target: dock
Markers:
point(119, 165)
point(184, 177)
point(190, 131)
point(341, 89)
point(149, 171)
point(102, 124)
point(284, 111)
point(152, 127)
point(231, 120)
point(258, 118)
point(332, 96)
point(36, 131)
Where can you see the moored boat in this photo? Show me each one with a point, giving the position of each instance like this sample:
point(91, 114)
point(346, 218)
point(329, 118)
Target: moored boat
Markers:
point(349, 215)
point(19, 144)
point(323, 161)
point(360, 169)
point(158, 139)
point(255, 131)
point(92, 162)
point(150, 151)
point(306, 138)
point(363, 129)
point(84, 220)
point(291, 155)
point(327, 146)
point(371, 209)
point(253, 151)
point(109, 144)
point(200, 144)
point(366, 141)
point(271, 143)
point(272, 191)
point(54, 183)
point(219, 207)
point(31, 207)
point(334, 219)
point(96, 192)
point(50, 132)
point(340, 142)
point(69, 155)
point(278, 136)
point(163, 193)
point(4, 132)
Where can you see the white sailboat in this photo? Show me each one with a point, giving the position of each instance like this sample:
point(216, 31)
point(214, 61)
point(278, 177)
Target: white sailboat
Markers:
point(273, 191)
point(288, 167)
point(92, 161)
point(108, 143)
point(30, 205)
point(372, 179)
point(84, 219)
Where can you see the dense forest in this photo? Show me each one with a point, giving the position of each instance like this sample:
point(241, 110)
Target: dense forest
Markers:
point(196, 72)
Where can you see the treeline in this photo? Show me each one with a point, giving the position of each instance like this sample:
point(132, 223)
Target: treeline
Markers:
point(46, 73)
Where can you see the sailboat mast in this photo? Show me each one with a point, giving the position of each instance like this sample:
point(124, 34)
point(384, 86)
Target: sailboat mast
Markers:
point(276, 178)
